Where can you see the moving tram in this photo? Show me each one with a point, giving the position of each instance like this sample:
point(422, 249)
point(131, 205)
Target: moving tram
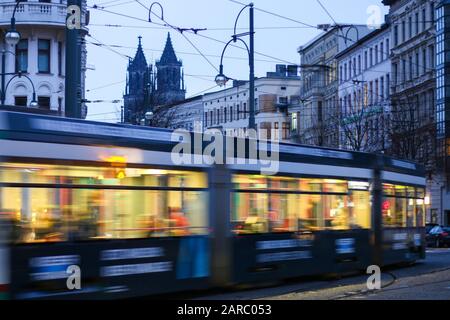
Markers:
point(108, 199)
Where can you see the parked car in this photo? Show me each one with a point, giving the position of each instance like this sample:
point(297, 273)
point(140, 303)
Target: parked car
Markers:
point(438, 236)
point(430, 226)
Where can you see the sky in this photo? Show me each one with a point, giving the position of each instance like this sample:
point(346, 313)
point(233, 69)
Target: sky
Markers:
point(114, 31)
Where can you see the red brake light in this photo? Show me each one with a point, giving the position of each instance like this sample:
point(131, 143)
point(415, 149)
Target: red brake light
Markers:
point(444, 234)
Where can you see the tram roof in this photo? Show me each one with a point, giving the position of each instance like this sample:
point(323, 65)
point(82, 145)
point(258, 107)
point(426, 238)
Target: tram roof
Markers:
point(52, 129)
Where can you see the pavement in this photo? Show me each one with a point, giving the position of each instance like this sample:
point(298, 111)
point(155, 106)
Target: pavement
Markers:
point(425, 280)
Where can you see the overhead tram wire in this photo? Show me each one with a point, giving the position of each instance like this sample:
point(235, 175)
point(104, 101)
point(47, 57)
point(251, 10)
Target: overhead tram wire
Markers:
point(208, 29)
point(105, 86)
point(326, 11)
point(181, 32)
point(197, 34)
point(181, 52)
point(316, 27)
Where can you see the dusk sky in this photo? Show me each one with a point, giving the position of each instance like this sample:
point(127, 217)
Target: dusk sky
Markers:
point(119, 24)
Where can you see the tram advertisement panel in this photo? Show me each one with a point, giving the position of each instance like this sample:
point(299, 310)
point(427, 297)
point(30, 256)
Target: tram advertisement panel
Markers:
point(403, 244)
point(110, 269)
point(267, 257)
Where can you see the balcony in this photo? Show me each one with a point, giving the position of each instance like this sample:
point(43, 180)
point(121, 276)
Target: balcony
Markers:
point(34, 13)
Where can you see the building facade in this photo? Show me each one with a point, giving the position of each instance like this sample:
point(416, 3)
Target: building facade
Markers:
point(440, 189)
point(40, 54)
point(318, 95)
point(364, 93)
point(413, 94)
point(187, 115)
point(228, 109)
point(149, 87)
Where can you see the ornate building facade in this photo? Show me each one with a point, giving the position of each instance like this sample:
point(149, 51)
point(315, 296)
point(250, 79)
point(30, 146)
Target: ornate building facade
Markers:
point(151, 86)
point(40, 55)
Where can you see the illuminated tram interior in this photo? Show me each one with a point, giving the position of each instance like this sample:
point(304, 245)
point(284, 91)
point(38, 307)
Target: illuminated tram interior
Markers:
point(51, 203)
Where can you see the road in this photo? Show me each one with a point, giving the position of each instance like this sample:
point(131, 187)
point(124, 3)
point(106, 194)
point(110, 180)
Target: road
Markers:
point(428, 279)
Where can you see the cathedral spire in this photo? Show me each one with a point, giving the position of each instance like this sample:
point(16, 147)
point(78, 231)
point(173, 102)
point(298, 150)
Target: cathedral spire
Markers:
point(139, 62)
point(168, 56)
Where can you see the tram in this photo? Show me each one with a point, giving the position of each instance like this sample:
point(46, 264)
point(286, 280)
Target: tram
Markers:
point(109, 199)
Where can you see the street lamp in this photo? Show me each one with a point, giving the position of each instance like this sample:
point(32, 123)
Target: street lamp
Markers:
point(12, 37)
point(221, 79)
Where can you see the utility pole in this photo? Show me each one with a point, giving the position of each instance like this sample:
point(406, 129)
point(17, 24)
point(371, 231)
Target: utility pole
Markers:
point(251, 120)
point(73, 67)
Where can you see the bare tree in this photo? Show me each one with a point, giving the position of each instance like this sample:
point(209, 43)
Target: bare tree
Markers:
point(362, 129)
point(163, 117)
point(412, 135)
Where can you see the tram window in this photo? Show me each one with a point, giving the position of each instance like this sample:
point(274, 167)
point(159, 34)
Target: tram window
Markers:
point(311, 216)
point(359, 209)
point(388, 189)
point(42, 214)
point(113, 175)
point(420, 193)
point(394, 212)
point(313, 185)
point(420, 213)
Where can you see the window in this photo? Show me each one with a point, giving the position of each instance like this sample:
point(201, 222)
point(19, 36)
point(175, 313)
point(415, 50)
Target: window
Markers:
point(404, 70)
point(285, 130)
point(410, 27)
point(395, 65)
point(206, 118)
point(371, 57)
point(424, 19)
point(225, 115)
point(395, 35)
point(431, 51)
point(20, 101)
point(417, 64)
point(424, 60)
point(44, 102)
point(320, 204)
point(382, 88)
point(245, 110)
point(417, 22)
point(60, 57)
point(376, 54)
point(431, 12)
point(388, 53)
point(294, 121)
point(359, 64)
point(388, 85)
point(22, 56)
point(365, 60)
point(403, 31)
point(44, 56)
point(411, 69)
point(382, 51)
point(60, 214)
